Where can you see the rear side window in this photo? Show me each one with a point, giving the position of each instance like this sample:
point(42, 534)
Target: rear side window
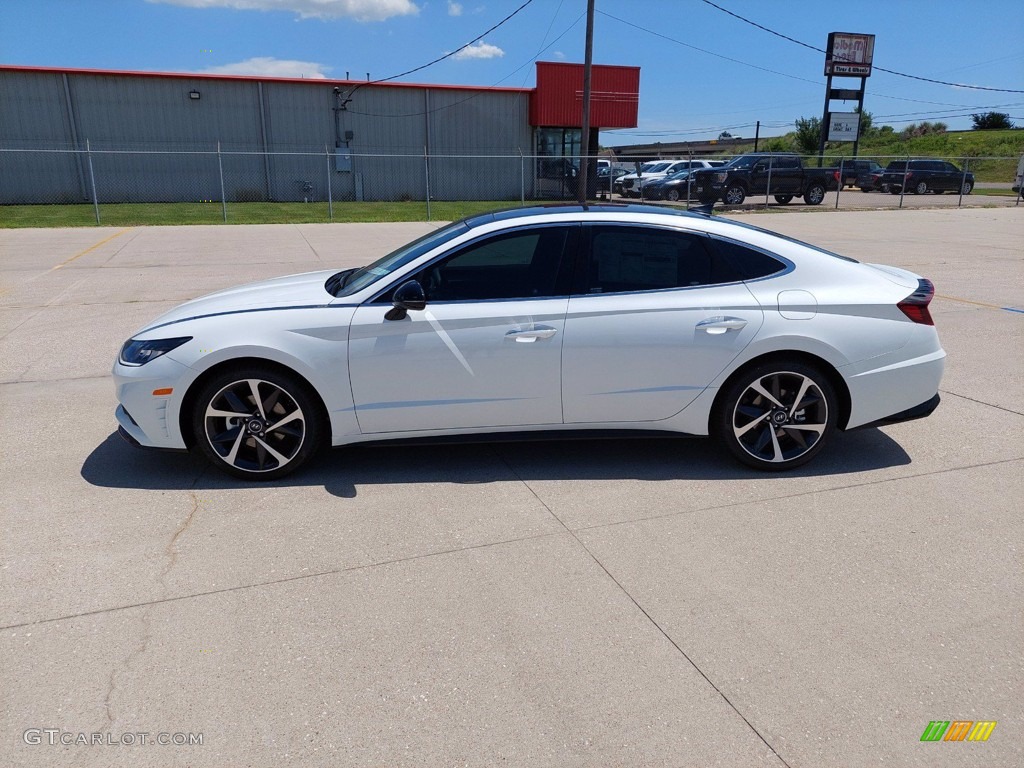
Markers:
point(624, 259)
point(748, 263)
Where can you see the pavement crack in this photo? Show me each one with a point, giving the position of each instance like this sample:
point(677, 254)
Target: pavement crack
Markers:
point(981, 402)
point(639, 607)
point(172, 550)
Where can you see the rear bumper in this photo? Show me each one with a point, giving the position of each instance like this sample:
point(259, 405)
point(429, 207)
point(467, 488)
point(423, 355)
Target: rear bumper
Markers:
point(920, 411)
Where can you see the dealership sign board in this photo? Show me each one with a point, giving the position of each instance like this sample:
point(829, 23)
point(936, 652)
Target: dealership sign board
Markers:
point(849, 54)
point(842, 126)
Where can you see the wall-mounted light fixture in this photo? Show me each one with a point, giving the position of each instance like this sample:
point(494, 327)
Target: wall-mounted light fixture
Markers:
point(193, 94)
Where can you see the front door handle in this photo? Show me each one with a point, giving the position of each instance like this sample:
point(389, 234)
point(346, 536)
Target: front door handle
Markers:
point(532, 335)
point(715, 325)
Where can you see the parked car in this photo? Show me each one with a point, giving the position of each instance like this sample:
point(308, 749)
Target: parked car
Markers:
point(853, 169)
point(676, 187)
point(633, 184)
point(1018, 179)
point(922, 176)
point(868, 182)
point(552, 320)
point(781, 175)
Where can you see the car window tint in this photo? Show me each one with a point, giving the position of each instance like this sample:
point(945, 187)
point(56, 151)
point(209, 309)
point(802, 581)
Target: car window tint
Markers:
point(626, 259)
point(749, 263)
point(518, 265)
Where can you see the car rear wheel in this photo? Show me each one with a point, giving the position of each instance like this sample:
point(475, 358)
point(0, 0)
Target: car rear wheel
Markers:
point(894, 190)
point(967, 188)
point(921, 188)
point(776, 416)
point(735, 195)
point(783, 199)
point(256, 423)
point(815, 194)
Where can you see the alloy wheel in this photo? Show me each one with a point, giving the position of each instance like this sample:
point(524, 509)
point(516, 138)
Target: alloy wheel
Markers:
point(780, 417)
point(254, 425)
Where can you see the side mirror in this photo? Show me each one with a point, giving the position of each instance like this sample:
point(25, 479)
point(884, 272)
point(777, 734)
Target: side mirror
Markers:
point(408, 295)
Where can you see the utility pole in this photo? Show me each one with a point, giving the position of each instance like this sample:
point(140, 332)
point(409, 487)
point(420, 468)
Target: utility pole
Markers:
point(588, 60)
point(757, 134)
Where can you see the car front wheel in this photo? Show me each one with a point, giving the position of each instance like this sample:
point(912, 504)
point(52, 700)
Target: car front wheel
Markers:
point(735, 195)
point(672, 195)
point(256, 423)
point(776, 416)
point(815, 194)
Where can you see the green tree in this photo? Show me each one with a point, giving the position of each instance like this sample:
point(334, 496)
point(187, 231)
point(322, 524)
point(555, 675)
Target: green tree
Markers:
point(867, 123)
point(725, 135)
point(991, 121)
point(808, 134)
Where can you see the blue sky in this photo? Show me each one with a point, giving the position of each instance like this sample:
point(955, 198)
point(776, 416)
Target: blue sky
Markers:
point(684, 93)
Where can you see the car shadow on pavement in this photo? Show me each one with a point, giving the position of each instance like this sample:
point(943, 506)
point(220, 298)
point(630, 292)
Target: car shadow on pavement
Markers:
point(341, 471)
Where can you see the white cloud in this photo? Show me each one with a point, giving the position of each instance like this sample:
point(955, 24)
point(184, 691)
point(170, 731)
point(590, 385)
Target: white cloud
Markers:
point(559, 55)
point(271, 67)
point(480, 50)
point(360, 10)
point(454, 9)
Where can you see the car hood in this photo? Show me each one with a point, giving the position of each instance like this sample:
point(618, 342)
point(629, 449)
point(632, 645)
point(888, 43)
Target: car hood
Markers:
point(306, 289)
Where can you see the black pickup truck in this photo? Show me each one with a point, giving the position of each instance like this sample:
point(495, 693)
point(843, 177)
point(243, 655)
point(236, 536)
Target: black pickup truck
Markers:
point(781, 175)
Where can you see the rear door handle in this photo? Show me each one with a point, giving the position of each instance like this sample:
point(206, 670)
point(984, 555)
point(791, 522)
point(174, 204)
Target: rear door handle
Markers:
point(532, 335)
point(715, 325)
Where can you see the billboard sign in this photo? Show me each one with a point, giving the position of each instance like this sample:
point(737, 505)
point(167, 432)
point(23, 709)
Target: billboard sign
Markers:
point(843, 126)
point(849, 54)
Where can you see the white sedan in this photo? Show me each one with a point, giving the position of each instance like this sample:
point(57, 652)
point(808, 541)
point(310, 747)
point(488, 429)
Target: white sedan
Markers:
point(605, 319)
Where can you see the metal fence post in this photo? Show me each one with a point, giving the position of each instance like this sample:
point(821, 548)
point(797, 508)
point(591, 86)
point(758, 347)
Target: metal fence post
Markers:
point(768, 188)
point(330, 195)
point(522, 178)
point(903, 187)
point(963, 180)
point(842, 179)
point(92, 180)
point(689, 177)
point(223, 199)
point(426, 174)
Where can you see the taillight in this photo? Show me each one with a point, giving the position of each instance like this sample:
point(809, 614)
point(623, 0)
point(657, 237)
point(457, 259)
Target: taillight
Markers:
point(908, 174)
point(836, 175)
point(915, 306)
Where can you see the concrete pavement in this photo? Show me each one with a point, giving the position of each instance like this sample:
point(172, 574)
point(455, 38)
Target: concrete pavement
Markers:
point(574, 604)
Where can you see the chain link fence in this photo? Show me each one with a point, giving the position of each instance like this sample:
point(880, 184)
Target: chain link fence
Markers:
point(232, 184)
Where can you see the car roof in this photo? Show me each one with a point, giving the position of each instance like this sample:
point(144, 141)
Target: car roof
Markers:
point(507, 214)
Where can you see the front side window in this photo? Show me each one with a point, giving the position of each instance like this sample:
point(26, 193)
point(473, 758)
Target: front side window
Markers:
point(525, 264)
point(628, 259)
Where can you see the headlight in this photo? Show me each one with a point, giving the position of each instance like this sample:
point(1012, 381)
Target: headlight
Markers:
point(720, 177)
point(135, 352)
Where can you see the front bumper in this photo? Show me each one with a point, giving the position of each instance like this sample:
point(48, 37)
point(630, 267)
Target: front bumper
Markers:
point(152, 420)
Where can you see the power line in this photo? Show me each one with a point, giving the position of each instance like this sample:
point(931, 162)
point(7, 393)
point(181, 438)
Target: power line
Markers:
point(439, 58)
point(880, 69)
point(479, 91)
point(710, 53)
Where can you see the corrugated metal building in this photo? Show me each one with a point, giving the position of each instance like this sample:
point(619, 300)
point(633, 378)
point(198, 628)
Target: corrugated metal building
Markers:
point(155, 136)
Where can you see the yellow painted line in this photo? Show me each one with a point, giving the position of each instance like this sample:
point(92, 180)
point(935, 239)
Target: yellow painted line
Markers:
point(91, 248)
point(968, 301)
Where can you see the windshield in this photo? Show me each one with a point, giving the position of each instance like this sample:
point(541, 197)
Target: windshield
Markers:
point(743, 161)
point(657, 168)
point(346, 285)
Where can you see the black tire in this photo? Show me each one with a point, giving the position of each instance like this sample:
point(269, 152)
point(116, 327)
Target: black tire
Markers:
point(735, 194)
point(894, 190)
point(783, 199)
point(968, 187)
point(707, 200)
point(250, 444)
point(865, 189)
point(815, 194)
point(938, 191)
point(921, 188)
point(765, 436)
point(672, 195)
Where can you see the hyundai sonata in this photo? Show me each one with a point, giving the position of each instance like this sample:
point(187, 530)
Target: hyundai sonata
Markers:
point(549, 320)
